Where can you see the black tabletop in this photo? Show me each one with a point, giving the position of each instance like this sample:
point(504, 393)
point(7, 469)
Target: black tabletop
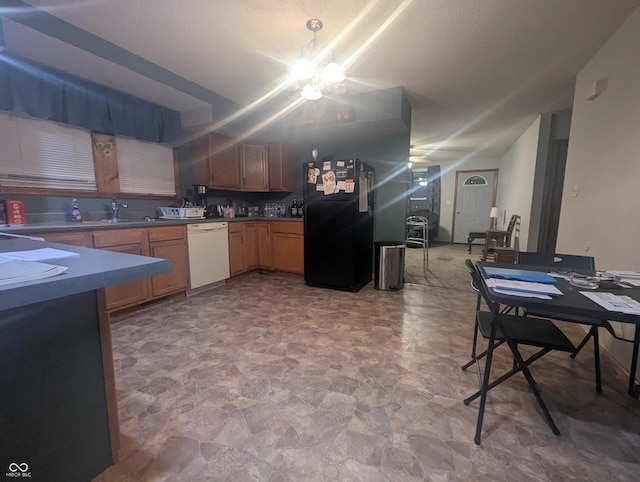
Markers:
point(572, 302)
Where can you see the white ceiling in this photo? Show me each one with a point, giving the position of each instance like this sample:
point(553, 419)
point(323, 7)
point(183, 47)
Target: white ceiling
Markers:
point(476, 72)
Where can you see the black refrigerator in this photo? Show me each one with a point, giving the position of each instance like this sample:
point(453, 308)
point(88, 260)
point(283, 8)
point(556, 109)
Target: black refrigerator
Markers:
point(338, 224)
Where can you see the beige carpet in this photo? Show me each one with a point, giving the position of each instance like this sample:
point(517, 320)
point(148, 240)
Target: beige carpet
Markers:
point(446, 266)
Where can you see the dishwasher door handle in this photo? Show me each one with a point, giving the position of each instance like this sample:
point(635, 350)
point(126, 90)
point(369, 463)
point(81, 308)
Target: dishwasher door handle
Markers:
point(199, 228)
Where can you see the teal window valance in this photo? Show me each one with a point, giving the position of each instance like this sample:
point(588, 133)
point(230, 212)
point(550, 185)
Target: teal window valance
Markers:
point(57, 96)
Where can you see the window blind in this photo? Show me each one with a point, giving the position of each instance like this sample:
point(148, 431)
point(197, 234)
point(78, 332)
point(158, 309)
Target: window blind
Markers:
point(144, 167)
point(42, 154)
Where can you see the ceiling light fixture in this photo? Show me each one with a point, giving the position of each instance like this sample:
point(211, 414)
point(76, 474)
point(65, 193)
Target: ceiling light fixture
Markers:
point(306, 67)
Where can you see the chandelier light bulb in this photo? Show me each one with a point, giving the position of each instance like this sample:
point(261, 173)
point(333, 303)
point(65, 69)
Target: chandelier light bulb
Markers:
point(311, 92)
point(332, 73)
point(302, 69)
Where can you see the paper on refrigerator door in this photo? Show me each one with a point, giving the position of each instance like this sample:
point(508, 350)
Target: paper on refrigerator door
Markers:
point(329, 183)
point(363, 194)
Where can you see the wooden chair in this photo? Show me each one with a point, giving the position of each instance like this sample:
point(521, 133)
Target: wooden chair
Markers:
point(497, 238)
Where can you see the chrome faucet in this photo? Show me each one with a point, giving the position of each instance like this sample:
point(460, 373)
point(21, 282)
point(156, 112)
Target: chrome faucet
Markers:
point(115, 209)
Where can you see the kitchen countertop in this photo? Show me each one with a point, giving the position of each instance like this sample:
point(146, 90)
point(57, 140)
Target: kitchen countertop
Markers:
point(94, 225)
point(93, 269)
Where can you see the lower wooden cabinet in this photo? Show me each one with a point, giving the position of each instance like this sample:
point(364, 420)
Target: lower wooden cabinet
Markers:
point(236, 256)
point(249, 246)
point(287, 241)
point(74, 238)
point(130, 241)
point(263, 233)
point(277, 245)
point(168, 242)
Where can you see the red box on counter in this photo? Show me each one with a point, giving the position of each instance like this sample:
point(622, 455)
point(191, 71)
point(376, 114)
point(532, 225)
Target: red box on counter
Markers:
point(15, 212)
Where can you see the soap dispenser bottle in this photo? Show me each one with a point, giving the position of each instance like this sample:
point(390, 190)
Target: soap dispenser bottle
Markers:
point(76, 215)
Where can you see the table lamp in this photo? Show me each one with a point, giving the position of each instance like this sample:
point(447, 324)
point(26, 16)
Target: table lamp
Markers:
point(495, 212)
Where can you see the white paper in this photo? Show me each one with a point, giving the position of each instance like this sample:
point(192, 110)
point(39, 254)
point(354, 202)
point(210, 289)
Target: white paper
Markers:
point(611, 302)
point(523, 286)
point(342, 186)
point(524, 294)
point(37, 254)
point(363, 195)
point(624, 274)
point(17, 271)
point(349, 187)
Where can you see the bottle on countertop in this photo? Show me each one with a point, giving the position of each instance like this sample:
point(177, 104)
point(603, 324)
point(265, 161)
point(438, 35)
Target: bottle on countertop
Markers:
point(301, 209)
point(76, 215)
point(294, 208)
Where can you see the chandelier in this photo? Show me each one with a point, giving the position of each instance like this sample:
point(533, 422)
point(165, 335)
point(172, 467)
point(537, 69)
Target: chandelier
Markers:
point(306, 67)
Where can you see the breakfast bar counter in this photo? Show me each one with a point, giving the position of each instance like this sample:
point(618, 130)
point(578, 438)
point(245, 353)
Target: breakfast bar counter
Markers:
point(58, 415)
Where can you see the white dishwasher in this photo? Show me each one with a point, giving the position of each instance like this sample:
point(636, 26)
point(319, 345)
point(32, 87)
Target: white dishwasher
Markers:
point(208, 253)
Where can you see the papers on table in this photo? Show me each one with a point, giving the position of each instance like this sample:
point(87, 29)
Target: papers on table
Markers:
point(19, 266)
point(611, 302)
point(523, 288)
point(626, 277)
point(41, 254)
point(518, 275)
point(625, 274)
point(17, 271)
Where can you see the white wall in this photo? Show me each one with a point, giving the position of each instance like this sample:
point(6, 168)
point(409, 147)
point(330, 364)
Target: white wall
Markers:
point(601, 196)
point(515, 184)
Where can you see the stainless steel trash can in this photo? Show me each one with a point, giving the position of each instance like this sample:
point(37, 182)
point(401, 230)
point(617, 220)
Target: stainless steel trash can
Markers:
point(389, 271)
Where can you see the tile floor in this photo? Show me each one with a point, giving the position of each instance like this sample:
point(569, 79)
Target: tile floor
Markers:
point(267, 379)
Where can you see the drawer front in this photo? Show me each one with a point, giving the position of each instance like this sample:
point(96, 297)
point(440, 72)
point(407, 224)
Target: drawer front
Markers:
point(78, 238)
point(118, 237)
point(166, 233)
point(237, 227)
point(288, 227)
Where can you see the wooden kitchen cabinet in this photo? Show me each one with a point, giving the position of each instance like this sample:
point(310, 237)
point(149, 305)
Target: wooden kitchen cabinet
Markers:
point(216, 163)
point(255, 170)
point(263, 230)
point(280, 167)
point(236, 256)
point(220, 162)
point(169, 243)
point(74, 238)
point(131, 241)
point(249, 246)
point(288, 246)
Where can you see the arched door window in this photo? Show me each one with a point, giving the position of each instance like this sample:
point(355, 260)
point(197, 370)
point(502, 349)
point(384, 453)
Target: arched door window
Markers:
point(475, 181)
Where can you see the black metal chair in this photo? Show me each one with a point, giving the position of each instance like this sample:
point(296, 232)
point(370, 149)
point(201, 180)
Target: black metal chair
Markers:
point(500, 327)
point(482, 324)
point(583, 264)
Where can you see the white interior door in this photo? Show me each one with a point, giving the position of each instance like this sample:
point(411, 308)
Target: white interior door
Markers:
point(475, 195)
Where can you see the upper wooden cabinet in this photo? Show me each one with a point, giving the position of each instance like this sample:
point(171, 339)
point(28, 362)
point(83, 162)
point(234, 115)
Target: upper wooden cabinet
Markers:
point(280, 167)
point(255, 169)
point(216, 163)
point(219, 162)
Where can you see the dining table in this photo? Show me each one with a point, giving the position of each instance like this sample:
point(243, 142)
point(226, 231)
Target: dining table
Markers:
point(572, 303)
